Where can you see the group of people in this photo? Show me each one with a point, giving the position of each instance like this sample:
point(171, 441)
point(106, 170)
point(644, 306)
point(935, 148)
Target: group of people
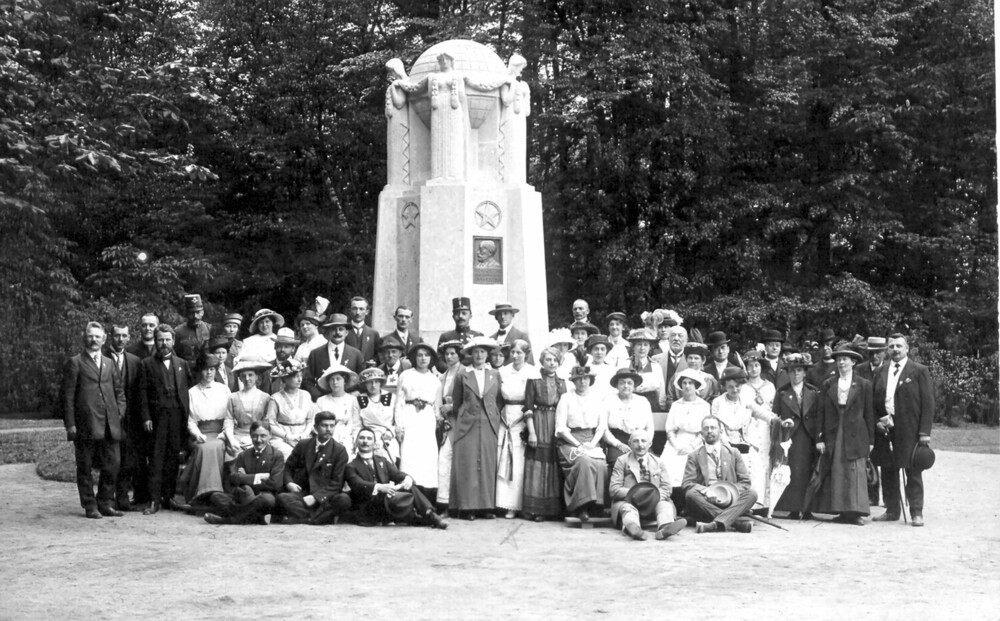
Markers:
point(332, 421)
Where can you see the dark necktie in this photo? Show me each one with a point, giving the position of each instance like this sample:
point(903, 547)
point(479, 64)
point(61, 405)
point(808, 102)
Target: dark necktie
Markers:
point(716, 463)
point(371, 465)
point(336, 353)
point(895, 370)
point(643, 471)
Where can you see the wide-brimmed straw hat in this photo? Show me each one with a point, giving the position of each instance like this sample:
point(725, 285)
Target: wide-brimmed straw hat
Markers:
point(253, 362)
point(690, 374)
point(480, 341)
point(350, 377)
point(453, 344)
point(262, 313)
point(561, 336)
point(286, 368)
point(371, 374)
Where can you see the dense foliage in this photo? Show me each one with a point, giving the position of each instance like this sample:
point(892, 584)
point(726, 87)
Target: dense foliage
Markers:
point(753, 164)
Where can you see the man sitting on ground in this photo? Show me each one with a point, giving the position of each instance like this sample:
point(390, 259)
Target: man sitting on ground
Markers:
point(256, 478)
point(314, 477)
point(708, 466)
point(642, 467)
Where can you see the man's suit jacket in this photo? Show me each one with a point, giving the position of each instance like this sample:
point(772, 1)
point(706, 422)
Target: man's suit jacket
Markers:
point(412, 338)
point(805, 414)
point(712, 370)
point(914, 405)
point(319, 361)
point(129, 376)
point(669, 369)
point(230, 381)
point(732, 469)
point(366, 343)
point(777, 377)
point(318, 473)
point(513, 334)
point(865, 370)
point(859, 417)
point(470, 405)
point(153, 390)
point(141, 350)
point(626, 474)
point(93, 398)
point(270, 462)
point(362, 480)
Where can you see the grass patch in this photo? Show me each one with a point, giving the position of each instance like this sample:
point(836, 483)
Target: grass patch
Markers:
point(18, 447)
point(24, 423)
point(58, 464)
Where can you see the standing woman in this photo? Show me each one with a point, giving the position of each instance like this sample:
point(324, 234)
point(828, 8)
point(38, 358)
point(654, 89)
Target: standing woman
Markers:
point(580, 424)
point(262, 334)
point(626, 412)
point(542, 489)
point(209, 401)
point(450, 352)
point(847, 432)
point(514, 378)
point(477, 401)
point(291, 410)
point(247, 405)
point(761, 392)
point(798, 402)
point(418, 409)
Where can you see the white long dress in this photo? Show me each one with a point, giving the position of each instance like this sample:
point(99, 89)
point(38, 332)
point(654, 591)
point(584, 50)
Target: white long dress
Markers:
point(510, 446)
point(418, 451)
point(759, 434)
point(737, 418)
point(345, 408)
point(293, 416)
point(684, 427)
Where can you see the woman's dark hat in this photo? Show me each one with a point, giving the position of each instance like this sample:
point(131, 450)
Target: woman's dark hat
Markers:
point(584, 325)
point(597, 339)
point(206, 360)
point(847, 350)
point(623, 373)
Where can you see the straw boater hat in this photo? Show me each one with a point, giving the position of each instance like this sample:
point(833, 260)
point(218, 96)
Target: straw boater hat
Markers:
point(690, 374)
point(579, 372)
point(266, 312)
point(350, 377)
point(452, 344)
point(286, 336)
point(412, 354)
point(875, 343)
point(206, 360)
point(287, 367)
point(623, 373)
point(253, 362)
point(479, 341)
point(642, 334)
point(847, 350)
point(504, 306)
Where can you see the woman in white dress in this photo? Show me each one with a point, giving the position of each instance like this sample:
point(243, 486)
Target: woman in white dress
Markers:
point(761, 392)
point(418, 407)
point(291, 410)
point(626, 412)
point(598, 347)
point(208, 403)
point(683, 425)
point(377, 408)
point(247, 405)
point(337, 380)
point(510, 450)
point(263, 326)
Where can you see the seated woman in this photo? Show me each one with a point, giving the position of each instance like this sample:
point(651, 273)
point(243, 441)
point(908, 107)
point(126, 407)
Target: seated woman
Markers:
point(695, 355)
point(650, 385)
point(683, 425)
point(376, 407)
point(246, 406)
point(337, 380)
point(208, 402)
point(262, 334)
point(626, 412)
point(291, 410)
point(580, 425)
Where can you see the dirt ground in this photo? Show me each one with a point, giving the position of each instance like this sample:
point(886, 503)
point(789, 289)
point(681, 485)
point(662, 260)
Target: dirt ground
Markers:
point(56, 563)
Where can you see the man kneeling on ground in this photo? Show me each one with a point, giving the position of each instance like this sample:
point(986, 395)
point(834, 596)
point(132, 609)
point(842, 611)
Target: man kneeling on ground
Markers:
point(381, 493)
point(314, 477)
point(717, 484)
point(256, 478)
point(640, 489)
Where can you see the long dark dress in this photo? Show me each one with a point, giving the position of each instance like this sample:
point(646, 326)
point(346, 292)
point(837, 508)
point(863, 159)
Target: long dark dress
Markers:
point(542, 484)
point(846, 489)
point(802, 454)
point(474, 442)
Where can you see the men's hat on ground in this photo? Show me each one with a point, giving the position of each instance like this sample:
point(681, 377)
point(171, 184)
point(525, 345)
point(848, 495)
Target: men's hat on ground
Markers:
point(644, 496)
point(391, 342)
point(480, 341)
point(458, 304)
point(826, 335)
point(504, 306)
point(286, 368)
point(399, 505)
point(715, 339)
point(218, 341)
point(336, 319)
point(689, 374)
point(233, 318)
point(597, 339)
point(725, 493)
point(733, 373)
point(261, 314)
point(252, 362)
point(620, 316)
point(773, 335)
point(623, 373)
point(192, 301)
point(642, 334)
point(350, 377)
point(286, 336)
point(418, 347)
point(846, 350)
point(696, 348)
point(584, 325)
point(876, 343)
point(923, 457)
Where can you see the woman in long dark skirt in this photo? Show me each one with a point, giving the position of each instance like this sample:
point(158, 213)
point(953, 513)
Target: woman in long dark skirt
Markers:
point(798, 401)
point(542, 484)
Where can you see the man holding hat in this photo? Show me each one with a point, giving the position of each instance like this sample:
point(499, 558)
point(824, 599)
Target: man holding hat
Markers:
point(461, 312)
point(640, 489)
point(904, 405)
point(506, 333)
point(192, 335)
point(335, 352)
point(314, 477)
point(717, 484)
point(381, 493)
point(772, 367)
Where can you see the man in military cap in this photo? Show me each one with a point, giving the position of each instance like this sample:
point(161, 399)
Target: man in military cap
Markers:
point(192, 335)
point(461, 312)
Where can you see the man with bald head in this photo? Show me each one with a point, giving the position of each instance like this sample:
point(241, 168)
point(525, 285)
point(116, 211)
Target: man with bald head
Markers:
point(581, 311)
point(639, 466)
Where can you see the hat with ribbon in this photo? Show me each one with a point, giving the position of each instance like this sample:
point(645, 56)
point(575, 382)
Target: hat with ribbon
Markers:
point(504, 306)
point(261, 314)
point(350, 377)
point(286, 336)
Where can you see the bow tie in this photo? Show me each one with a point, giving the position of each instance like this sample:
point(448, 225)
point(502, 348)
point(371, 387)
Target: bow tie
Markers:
point(501, 332)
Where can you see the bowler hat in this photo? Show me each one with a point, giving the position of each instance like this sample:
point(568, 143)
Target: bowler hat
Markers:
point(192, 301)
point(399, 505)
point(504, 306)
point(923, 457)
point(336, 319)
point(826, 335)
point(623, 373)
point(262, 313)
point(458, 304)
point(773, 335)
point(643, 496)
point(715, 339)
point(725, 493)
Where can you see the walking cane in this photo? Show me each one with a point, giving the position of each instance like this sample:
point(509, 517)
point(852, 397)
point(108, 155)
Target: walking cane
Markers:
point(901, 497)
point(764, 520)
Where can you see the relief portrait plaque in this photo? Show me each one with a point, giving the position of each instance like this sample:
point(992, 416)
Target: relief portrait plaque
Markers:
point(487, 261)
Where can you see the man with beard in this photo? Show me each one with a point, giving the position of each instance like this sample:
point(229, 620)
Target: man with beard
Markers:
point(145, 346)
point(133, 440)
point(285, 345)
point(717, 462)
point(164, 380)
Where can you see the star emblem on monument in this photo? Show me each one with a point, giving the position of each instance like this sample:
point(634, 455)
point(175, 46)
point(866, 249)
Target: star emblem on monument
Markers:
point(487, 215)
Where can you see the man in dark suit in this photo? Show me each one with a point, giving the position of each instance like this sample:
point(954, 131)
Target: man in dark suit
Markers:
point(257, 475)
point(875, 346)
point(314, 477)
point(402, 333)
point(133, 436)
point(164, 380)
point(882, 453)
point(391, 353)
point(359, 335)
point(772, 368)
point(506, 332)
point(718, 359)
point(672, 360)
point(93, 406)
point(378, 489)
point(144, 346)
point(336, 351)
point(711, 463)
point(904, 405)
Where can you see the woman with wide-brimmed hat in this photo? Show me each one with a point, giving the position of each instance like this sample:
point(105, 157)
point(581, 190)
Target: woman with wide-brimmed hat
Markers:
point(336, 382)
point(477, 402)
point(263, 327)
point(291, 410)
point(799, 403)
point(695, 355)
point(847, 434)
point(418, 411)
point(626, 412)
point(514, 378)
point(651, 387)
point(542, 486)
point(561, 341)
point(683, 426)
point(581, 420)
point(208, 401)
point(248, 404)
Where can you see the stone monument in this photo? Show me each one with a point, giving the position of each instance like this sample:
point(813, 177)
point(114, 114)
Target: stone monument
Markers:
point(456, 217)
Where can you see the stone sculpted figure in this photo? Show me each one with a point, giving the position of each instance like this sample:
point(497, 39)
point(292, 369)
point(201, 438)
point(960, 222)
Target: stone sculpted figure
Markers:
point(449, 121)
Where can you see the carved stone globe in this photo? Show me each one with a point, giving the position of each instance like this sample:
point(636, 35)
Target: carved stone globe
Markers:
point(472, 60)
